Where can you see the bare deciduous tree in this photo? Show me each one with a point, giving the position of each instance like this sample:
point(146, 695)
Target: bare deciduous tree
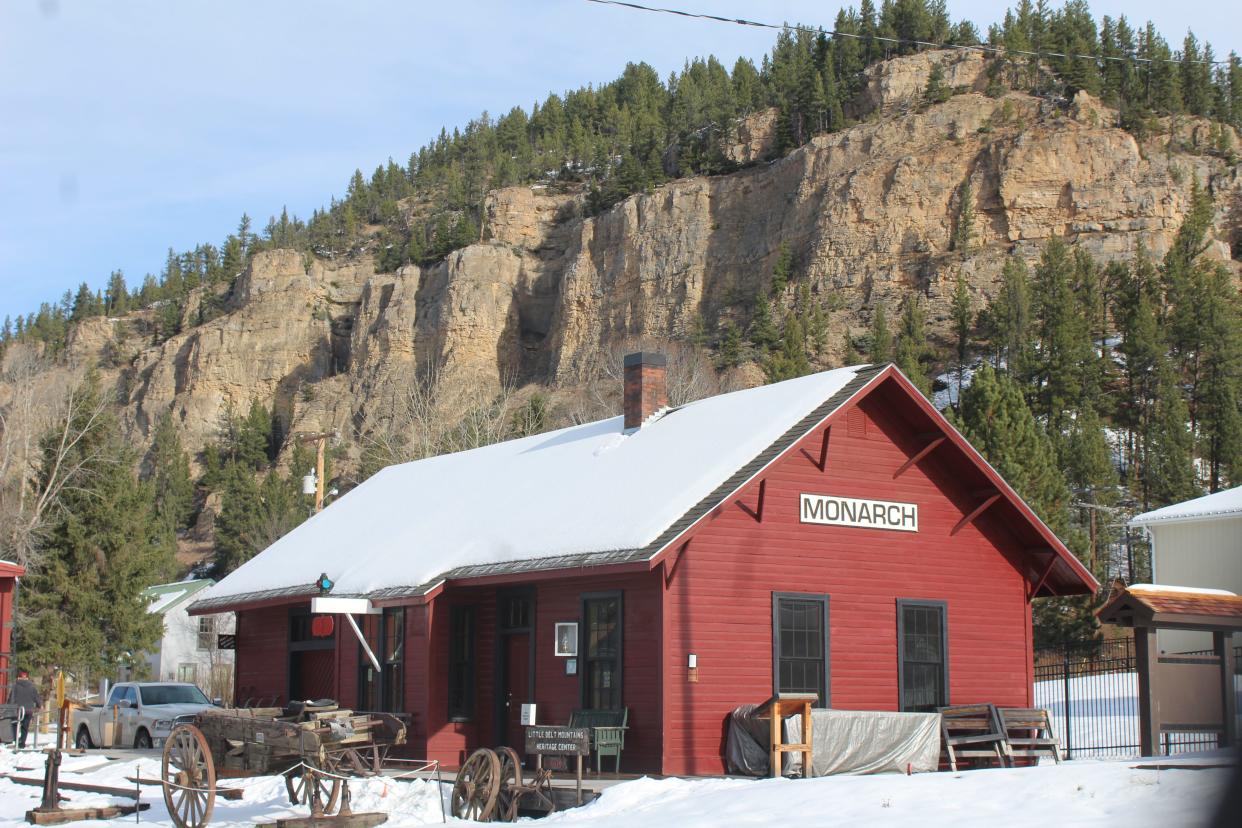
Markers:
point(40, 432)
point(437, 416)
point(690, 376)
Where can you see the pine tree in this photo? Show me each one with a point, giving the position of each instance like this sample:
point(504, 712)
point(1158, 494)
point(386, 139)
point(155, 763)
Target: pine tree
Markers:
point(170, 475)
point(729, 353)
point(962, 317)
point(788, 359)
point(1169, 473)
point(936, 92)
point(964, 229)
point(910, 351)
point(1092, 475)
point(257, 512)
point(84, 304)
point(997, 420)
point(782, 269)
point(1065, 345)
point(105, 545)
point(1219, 391)
point(117, 302)
point(763, 333)
point(1011, 322)
point(881, 341)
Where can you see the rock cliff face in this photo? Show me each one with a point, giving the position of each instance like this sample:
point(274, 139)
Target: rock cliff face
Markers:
point(867, 212)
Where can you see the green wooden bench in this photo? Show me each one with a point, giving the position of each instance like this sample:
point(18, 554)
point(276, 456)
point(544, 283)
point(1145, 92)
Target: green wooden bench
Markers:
point(607, 732)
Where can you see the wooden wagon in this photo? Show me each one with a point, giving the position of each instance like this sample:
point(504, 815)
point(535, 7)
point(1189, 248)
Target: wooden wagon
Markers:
point(314, 746)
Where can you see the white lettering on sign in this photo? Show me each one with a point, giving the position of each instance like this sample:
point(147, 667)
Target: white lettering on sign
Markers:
point(849, 511)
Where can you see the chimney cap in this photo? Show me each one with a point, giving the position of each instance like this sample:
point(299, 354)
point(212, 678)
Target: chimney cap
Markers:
point(645, 358)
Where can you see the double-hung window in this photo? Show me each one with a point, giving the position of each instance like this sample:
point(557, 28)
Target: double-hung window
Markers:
point(800, 645)
point(922, 655)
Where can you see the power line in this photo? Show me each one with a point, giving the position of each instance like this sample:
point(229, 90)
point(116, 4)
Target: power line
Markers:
point(897, 40)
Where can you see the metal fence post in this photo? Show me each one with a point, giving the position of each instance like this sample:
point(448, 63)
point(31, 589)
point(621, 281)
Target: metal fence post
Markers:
point(1069, 726)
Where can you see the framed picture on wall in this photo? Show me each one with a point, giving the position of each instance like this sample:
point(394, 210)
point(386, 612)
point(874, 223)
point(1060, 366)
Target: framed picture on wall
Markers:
point(567, 638)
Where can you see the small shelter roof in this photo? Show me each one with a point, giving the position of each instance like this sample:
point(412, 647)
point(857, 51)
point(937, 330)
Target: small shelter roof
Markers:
point(1157, 605)
point(8, 569)
point(1226, 503)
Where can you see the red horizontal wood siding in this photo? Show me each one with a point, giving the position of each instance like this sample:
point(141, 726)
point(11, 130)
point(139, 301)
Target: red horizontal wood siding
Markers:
point(262, 656)
point(557, 695)
point(719, 602)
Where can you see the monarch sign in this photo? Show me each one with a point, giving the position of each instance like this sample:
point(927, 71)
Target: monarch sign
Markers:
point(867, 514)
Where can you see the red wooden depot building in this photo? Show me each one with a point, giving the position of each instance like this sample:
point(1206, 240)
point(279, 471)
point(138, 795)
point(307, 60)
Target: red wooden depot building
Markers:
point(831, 533)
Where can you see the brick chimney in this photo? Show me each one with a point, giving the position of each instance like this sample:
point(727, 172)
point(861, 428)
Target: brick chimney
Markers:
point(645, 392)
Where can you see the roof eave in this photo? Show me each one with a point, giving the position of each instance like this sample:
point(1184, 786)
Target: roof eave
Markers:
point(1151, 523)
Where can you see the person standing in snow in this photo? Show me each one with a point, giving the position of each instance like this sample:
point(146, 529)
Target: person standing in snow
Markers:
point(26, 696)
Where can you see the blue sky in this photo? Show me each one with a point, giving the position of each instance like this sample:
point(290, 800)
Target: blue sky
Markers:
point(130, 126)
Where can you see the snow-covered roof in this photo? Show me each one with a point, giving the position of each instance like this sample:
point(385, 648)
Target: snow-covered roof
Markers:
point(164, 597)
point(1227, 503)
point(1185, 590)
point(588, 489)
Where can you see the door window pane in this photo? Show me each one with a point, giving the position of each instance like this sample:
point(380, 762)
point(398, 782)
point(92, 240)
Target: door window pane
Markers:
point(602, 653)
point(461, 663)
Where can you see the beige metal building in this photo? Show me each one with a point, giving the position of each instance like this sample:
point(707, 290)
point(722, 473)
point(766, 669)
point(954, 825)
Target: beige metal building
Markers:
point(1197, 543)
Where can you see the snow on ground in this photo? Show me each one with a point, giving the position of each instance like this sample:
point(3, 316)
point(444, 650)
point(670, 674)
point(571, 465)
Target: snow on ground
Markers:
point(1103, 714)
point(1078, 793)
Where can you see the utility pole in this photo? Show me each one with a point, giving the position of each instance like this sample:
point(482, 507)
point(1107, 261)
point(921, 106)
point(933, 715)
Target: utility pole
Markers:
point(321, 441)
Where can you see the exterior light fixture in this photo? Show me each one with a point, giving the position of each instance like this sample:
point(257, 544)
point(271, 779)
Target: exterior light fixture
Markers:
point(324, 584)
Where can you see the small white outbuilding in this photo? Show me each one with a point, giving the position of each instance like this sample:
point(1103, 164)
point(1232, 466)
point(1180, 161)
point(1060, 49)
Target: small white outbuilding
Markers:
point(189, 649)
point(1197, 543)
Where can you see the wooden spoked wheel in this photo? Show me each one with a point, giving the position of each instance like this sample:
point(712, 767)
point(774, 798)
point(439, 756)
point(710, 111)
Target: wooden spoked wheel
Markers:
point(541, 791)
point(189, 777)
point(509, 796)
point(302, 782)
point(477, 787)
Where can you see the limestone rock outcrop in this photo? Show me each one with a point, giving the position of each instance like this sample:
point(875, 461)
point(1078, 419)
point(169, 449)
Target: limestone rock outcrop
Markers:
point(868, 214)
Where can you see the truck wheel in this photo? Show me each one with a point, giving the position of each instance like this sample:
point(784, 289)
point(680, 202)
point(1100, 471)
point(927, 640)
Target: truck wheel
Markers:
point(142, 740)
point(83, 739)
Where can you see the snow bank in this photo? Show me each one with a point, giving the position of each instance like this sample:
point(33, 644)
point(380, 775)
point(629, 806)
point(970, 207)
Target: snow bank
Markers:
point(1079, 793)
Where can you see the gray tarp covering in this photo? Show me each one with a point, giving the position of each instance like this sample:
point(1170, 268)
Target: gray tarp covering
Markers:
point(843, 741)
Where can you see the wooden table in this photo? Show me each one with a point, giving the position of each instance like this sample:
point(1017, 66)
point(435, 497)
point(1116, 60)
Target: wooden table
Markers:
point(776, 710)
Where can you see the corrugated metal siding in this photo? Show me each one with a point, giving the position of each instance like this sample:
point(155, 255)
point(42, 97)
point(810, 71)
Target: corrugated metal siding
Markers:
point(719, 600)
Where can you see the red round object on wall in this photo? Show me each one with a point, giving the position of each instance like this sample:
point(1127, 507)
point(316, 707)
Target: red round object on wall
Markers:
point(322, 626)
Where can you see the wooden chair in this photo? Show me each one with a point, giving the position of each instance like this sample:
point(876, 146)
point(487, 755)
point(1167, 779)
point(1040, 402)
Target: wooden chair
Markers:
point(1029, 732)
point(607, 732)
point(973, 731)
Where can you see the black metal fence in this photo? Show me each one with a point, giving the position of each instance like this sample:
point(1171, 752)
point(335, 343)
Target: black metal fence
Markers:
point(1090, 689)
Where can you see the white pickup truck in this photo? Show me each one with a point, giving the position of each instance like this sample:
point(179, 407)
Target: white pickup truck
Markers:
point(137, 714)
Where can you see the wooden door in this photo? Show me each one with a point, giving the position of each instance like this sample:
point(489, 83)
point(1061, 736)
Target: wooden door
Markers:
point(516, 687)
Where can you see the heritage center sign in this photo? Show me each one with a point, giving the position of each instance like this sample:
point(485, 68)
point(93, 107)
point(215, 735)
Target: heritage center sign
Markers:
point(867, 514)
